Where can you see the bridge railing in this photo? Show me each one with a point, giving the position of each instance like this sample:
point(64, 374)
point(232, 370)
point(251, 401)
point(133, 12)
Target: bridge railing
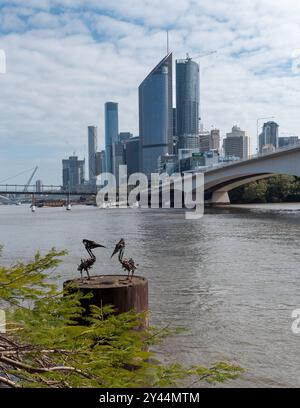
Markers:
point(252, 157)
point(20, 188)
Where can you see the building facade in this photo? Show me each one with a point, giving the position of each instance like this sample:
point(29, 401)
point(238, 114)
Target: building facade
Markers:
point(286, 141)
point(72, 173)
point(269, 135)
point(132, 155)
point(215, 139)
point(111, 133)
point(156, 115)
point(100, 162)
point(124, 136)
point(118, 158)
point(236, 143)
point(187, 103)
point(92, 148)
point(38, 186)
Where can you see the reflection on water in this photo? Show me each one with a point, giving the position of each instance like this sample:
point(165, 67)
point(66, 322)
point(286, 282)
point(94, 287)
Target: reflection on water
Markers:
point(231, 278)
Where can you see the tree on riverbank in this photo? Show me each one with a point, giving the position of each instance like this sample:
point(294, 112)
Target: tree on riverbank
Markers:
point(275, 189)
point(45, 346)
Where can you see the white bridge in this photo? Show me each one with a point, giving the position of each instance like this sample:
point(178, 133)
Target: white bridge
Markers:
point(221, 179)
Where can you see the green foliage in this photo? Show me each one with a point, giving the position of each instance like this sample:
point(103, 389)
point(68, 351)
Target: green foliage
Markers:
point(255, 192)
point(47, 345)
point(270, 190)
point(29, 281)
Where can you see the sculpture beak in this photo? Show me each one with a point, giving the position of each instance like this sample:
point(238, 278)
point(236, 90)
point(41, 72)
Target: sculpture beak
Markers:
point(100, 246)
point(115, 251)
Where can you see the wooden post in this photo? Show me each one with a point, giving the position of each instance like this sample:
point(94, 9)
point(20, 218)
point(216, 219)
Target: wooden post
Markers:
point(114, 290)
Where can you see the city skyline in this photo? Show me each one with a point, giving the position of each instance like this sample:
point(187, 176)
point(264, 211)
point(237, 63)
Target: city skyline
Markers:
point(61, 81)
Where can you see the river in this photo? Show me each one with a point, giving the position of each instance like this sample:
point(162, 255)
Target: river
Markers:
point(231, 278)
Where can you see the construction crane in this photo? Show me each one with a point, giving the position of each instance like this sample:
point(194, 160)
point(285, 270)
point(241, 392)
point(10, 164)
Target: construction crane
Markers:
point(201, 55)
point(30, 180)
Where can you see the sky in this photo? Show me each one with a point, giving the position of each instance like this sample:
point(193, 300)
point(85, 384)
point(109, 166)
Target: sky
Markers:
point(66, 58)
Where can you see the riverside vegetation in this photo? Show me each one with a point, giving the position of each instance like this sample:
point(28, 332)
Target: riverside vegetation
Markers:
point(46, 346)
point(275, 189)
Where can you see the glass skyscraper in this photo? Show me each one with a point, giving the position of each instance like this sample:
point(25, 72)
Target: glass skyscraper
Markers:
point(73, 173)
point(92, 146)
point(111, 133)
point(187, 103)
point(269, 136)
point(156, 115)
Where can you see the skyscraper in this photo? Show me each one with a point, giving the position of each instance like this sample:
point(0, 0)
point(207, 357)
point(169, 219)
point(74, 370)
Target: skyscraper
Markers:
point(269, 135)
point(132, 155)
point(111, 133)
point(209, 140)
point(187, 103)
point(73, 173)
point(92, 147)
point(236, 143)
point(100, 162)
point(156, 115)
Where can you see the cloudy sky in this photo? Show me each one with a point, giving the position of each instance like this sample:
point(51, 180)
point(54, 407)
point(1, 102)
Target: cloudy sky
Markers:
point(65, 58)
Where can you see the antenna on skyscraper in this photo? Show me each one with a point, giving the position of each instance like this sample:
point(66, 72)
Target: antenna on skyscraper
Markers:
point(167, 42)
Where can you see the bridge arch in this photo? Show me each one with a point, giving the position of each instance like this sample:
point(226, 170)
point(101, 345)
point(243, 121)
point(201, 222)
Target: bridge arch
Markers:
point(219, 181)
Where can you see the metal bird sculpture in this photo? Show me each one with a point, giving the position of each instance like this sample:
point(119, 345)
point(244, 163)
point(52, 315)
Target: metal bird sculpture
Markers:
point(128, 264)
point(86, 264)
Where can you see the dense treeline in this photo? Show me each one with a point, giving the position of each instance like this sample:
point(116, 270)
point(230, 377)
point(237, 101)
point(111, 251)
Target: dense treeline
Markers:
point(275, 189)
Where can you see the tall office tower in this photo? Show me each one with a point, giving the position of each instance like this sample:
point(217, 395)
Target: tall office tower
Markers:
point(236, 143)
point(156, 115)
point(187, 103)
point(269, 135)
point(111, 133)
point(72, 173)
point(132, 155)
point(100, 162)
point(92, 147)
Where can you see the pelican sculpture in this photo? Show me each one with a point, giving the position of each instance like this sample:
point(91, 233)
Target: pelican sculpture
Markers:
point(86, 264)
point(128, 264)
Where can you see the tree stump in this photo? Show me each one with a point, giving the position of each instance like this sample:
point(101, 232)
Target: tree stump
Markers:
point(114, 290)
